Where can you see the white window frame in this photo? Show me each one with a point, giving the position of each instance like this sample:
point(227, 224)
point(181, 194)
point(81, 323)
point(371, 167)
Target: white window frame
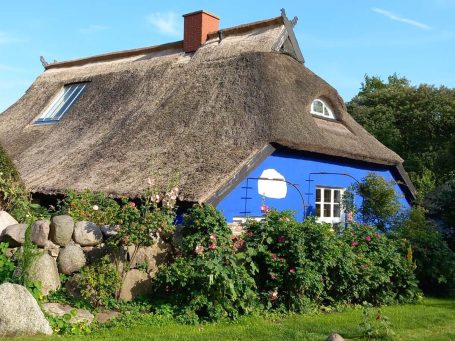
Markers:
point(329, 219)
point(61, 103)
point(326, 110)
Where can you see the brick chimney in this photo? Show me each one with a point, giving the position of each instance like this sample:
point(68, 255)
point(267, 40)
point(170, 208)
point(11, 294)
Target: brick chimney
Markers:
point(196, 27)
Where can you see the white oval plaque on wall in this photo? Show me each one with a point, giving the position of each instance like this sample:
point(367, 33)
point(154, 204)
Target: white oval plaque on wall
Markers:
point(276, 188)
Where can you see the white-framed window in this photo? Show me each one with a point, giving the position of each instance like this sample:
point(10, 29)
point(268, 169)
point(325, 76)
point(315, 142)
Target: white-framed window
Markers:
point(61, 103)
point(328, 204)
point(321, 108)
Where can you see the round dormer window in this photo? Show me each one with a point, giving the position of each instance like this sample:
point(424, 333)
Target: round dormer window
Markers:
point(321, 108)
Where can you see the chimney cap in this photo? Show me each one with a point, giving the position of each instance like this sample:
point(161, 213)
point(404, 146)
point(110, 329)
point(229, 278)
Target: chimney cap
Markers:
point(199, 12)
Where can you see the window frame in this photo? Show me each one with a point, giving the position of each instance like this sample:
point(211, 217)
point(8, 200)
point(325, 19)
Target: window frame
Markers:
point(321, 217)
point(325, 108)
point(59, 105)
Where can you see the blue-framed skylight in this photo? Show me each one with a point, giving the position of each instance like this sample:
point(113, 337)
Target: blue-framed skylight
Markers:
point(61, 103)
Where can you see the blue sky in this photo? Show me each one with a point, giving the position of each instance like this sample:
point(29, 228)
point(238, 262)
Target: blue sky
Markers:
point(340, 40)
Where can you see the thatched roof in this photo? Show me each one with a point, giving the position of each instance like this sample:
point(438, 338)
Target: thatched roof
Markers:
point(159, 110)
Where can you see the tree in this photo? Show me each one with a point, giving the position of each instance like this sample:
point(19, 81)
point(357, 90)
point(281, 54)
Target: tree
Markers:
point(380, 205)
point(417, 122)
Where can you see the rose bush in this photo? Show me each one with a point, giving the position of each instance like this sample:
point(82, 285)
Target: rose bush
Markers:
point(208, 281)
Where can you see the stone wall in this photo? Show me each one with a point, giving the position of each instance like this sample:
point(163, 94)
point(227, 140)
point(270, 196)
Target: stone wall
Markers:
point(66, 246)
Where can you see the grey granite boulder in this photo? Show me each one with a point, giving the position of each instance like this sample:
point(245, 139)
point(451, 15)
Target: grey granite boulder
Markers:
point(136, 283)
point(20, 314)
point(87, 234)
point(44, 270)
point(71, 259)
point(60, 309)
point(40, 232)
point(6, 220)
point(14, 235)
point(51, 248)
point(335, 337)
point(62, 228)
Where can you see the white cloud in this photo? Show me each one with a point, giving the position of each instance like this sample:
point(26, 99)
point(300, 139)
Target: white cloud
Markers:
point(396, 17)
point(93, 29)
point(167, 23)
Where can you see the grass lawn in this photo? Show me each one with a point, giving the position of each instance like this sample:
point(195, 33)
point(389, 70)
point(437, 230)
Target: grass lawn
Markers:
point(434, 319)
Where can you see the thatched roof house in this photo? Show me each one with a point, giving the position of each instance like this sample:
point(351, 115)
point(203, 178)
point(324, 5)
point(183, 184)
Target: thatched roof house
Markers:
point(206, 107)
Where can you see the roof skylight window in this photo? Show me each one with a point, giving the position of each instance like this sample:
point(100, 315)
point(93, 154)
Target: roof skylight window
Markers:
point(320, 108)
point(61, 103)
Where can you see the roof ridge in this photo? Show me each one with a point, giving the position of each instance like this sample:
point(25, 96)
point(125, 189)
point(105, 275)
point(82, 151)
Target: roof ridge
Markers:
point(115, 55)
point(173, 45)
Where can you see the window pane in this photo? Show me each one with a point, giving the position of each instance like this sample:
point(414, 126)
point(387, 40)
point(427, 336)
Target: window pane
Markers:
point(336, 211)
point(327, 212)
point(64, 100)
point(318, 107)
point(326, 112)
point(336, 196)
point(318, 210)
point(318, 195)
point(327, 195)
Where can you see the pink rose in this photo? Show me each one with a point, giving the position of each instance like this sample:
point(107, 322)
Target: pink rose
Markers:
point(272, 276)
point(264, 208)
point(354, 243)
point(273, 295)
point(274, 257)
point(213, 237)
point(292, 270)
point(212, 246)
point(368, 238)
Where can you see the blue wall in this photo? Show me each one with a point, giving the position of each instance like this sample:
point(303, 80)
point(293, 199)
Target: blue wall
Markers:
point(296, 169)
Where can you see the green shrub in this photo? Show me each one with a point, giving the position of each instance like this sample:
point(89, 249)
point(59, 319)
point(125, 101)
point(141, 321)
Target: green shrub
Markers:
point(13, 196)
point(373, 268)
point(302, 265)
point(100, 282)
point(208, 281)
point(435, 261)
point(293, 260)
point(89, 206)
point(440, 204)
point(6, 264)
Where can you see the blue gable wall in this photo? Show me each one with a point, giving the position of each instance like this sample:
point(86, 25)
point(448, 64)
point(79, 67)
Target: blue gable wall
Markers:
point(244, 200)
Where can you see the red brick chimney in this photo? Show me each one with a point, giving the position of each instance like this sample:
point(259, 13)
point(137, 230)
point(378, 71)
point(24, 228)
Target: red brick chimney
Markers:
point(196, 27)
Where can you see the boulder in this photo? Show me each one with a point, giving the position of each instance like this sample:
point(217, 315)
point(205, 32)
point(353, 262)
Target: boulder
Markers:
point(71, 259)
point(40, 232)
point(73, 286)
point(51, 248)
point(14, 235)
point(136, 283)
point(20, 314)
point(335, 337)
point(106, 316)
point(6, 220)
point(108, 231)
point(62, 228)
point(154, 256)
point(44, 269)
point(60, 309)
point(87, 234)
point(95, 253)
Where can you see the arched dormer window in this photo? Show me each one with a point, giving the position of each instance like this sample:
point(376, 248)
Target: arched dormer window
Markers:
point(321, 108)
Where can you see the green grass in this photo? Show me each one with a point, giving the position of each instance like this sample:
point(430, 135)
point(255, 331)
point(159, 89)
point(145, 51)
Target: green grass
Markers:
point(434, 319)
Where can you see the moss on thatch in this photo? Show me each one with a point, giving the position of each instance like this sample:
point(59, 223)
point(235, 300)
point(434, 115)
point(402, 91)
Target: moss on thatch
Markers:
point(7, 168)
